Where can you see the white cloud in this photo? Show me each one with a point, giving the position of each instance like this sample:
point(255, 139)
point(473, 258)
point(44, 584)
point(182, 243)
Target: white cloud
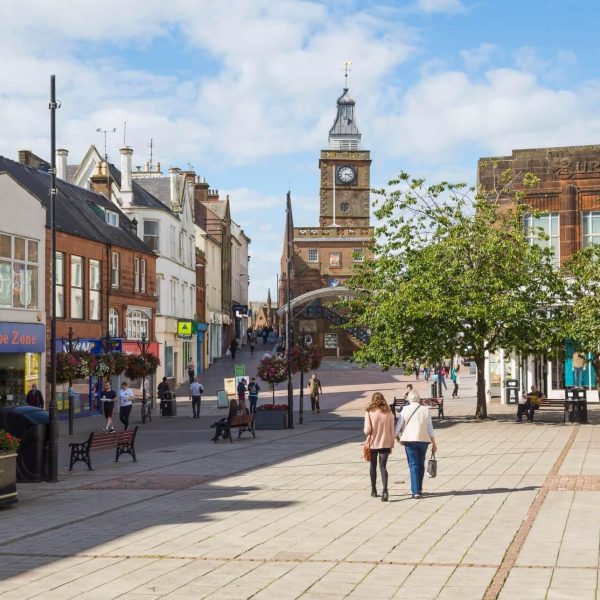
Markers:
point(479, 56)
point(441, 6)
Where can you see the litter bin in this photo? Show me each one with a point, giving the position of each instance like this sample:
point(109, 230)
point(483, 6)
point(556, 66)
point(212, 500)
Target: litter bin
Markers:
point(581, 406)
point(511, 391)
point(571, 396)
point(30, 425)
point(168, 405)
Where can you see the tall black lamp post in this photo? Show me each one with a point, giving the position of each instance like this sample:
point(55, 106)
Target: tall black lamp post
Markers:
point(143, 345)
point(69, 346)
point(288, 321)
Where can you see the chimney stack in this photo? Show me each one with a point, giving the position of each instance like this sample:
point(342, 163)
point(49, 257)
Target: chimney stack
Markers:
point(61, 163)
point(174, 180)
point(126, 182)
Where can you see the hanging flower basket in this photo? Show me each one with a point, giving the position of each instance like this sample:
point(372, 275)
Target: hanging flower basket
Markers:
point(272, 370)
point(119, 360)
point(141, 365)
point(75, 365)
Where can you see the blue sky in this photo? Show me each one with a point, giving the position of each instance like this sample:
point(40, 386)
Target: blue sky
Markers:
point(245, 90)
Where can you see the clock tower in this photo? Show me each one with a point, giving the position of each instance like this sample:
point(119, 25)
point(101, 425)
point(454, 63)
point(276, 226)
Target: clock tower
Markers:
point(345, 172)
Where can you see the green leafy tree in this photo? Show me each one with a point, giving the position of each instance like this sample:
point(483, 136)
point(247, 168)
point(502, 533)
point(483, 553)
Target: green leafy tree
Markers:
point(582, 322)
point(452, 272)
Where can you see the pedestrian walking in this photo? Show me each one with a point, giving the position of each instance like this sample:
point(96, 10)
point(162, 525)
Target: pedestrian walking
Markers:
point(455, 377)
point(34, 397)
point(191, 367)
point(233, 346)
point(196, 390)
point(414, 430)
point(379, 429)
point(253, 389)
point(417, 371)
point(252, 343)
point(241, 390)
point(108, 406)
point(125, 404)
point(315, 389)
point(426, 371)
point(265, 335)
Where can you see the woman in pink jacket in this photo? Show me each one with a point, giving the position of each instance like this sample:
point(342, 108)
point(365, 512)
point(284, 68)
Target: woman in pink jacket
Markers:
point(379, 428)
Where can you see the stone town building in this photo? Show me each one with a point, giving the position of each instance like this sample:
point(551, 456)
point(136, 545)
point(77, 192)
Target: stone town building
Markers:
point(568, 198)
point(324, 255)
point(102, 269)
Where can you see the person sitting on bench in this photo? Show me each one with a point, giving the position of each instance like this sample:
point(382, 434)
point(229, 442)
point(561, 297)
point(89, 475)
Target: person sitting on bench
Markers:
point(222, 424)
point(529, 404)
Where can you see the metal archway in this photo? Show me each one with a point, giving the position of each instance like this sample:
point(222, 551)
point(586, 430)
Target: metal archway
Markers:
point(328, 292)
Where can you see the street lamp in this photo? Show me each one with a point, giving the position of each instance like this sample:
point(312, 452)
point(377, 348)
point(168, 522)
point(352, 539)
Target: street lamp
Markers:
point(143, 346)
point(69, 346)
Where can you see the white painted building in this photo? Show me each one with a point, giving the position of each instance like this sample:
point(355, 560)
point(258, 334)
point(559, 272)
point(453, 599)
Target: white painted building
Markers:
point(239, 280)
point(166, 225)
point(22, 291)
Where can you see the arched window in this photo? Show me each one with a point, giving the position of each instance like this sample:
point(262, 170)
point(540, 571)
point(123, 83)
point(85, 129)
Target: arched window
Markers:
point(113, 323)
point(137, 324)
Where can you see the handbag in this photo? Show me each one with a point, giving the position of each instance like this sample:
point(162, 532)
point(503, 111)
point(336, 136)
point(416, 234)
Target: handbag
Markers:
point(367, 446)
point(432, 466)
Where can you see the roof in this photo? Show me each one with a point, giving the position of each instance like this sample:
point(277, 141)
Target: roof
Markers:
point(159, 187)
point(79, 211)
point(345, 121)
point(71, 172)
point(141, 197)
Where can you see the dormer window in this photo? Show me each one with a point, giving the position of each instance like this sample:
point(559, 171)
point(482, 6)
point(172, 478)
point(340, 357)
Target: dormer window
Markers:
point(111, 217)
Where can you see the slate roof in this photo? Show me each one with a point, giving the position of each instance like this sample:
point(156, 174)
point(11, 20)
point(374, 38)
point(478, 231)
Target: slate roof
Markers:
point(141, 197)
point(78, 211)
point(159, 187)
point(71, 172)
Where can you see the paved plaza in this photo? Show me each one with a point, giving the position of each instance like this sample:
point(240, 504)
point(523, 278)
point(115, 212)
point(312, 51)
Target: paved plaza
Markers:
point(513, 514)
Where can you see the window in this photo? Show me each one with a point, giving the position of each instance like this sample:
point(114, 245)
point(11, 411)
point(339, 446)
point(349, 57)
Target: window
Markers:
point(344, 207)
point(111, 217)
point(60, 285)
point(173, 307)
point(591, 228)
point(173, 242)
point(335, 260)
point(95, 307)
point(358, 255)
point(113, 323)
point(313, 255)
point(159, 306)
point(137, 324)
point(136, 275)
point(181, 251)
point(151, 234)
point(168, 361)
point(18, 272)
point(76, 287)
point(142, 276)
point(543, 230)
point(115, 276)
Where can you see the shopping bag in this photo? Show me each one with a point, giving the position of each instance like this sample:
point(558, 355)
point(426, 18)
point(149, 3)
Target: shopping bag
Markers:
point(432, 466)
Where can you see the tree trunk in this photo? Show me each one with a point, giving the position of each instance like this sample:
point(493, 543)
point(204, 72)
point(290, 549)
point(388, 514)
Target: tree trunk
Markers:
point(481, 410)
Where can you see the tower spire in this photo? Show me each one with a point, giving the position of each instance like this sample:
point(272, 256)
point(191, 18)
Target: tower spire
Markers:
point(344, 134)
point(347, 69)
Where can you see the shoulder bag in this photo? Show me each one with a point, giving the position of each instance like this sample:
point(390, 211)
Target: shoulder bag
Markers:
point(408, 421)
point(367, 446)
point(432, 466)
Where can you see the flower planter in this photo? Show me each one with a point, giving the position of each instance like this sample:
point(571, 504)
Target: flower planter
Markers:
point(271, 419)
point(8, 479)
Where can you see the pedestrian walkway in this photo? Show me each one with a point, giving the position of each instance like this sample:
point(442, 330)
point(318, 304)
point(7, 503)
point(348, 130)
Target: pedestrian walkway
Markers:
point(513, 514)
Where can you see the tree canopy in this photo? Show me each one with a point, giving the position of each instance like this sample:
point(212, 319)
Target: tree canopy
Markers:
point(451, 272)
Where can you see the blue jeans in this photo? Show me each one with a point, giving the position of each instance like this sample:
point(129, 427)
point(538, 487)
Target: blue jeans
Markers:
point(415, 454)
point(578, 378)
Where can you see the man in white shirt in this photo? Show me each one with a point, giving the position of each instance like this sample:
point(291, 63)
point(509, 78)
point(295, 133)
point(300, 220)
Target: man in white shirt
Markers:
point(196, 391)
point(125, 404)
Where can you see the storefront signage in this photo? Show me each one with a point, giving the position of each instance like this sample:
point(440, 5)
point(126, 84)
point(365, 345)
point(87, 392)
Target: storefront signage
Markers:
point(92, 345)
point(241, 309)
point(240, 370)
point(184, 328)
point(22, 337)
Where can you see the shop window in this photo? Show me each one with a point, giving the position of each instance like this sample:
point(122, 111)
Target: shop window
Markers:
point(591, 228)
point(543, 230)
point(151, 234)
point(95, 307)
point(18, 272)
point(60, 285)
point(136, 325)
point(115, 270)
point(76, 287)
point(113, 323)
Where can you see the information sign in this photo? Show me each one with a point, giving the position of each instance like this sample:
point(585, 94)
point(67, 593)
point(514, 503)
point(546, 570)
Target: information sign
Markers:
point(222, 399)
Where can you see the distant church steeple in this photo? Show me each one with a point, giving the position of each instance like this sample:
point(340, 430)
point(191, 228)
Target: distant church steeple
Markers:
point(344, 134)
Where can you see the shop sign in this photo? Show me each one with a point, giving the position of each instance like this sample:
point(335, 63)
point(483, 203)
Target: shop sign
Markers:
point(241, 309)
point(240, 370)
point(92, 345)
point(184, 328)
point(331, 340)
point(22, 337)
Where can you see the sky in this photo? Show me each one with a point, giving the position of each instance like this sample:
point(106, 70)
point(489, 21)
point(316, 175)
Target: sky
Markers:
point(244, 91)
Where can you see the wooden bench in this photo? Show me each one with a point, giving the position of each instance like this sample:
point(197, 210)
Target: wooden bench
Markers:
point(123, 441)
point(431, 403)
point(242, 423)
point(562, 404)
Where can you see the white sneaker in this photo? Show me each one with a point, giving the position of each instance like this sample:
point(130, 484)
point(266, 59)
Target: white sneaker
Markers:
point(105, 429)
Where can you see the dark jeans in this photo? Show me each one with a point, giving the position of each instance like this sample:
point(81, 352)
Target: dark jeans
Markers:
point(526, 409)
point(415, 454)
point(233, 351)
point(455, 390)
point(253, 401)
point(220, 428)
point(196, 406)
point(191, 376)
point(124, 412)
point(382, 454)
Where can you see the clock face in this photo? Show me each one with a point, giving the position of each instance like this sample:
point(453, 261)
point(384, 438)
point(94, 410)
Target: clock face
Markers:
point(346, 174)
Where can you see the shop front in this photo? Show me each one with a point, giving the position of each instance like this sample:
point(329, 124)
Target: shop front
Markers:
point(21, 348)
point(137, 347)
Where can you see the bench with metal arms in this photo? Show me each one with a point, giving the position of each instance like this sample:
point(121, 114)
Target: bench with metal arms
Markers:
point(123, 441)
point(242, 423)
point(432, 403)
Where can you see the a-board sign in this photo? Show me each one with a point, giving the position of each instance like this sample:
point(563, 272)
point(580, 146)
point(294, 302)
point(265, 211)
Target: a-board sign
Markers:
point(222, 399)
point(230, 385)
point(331, 340)
point(240, 370)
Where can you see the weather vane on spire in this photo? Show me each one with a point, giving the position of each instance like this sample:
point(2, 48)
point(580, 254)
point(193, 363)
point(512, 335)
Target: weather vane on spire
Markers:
point(347, 69)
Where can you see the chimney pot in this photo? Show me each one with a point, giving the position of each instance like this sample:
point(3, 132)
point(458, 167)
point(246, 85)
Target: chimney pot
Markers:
point(126, 180)
point(61, 163)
